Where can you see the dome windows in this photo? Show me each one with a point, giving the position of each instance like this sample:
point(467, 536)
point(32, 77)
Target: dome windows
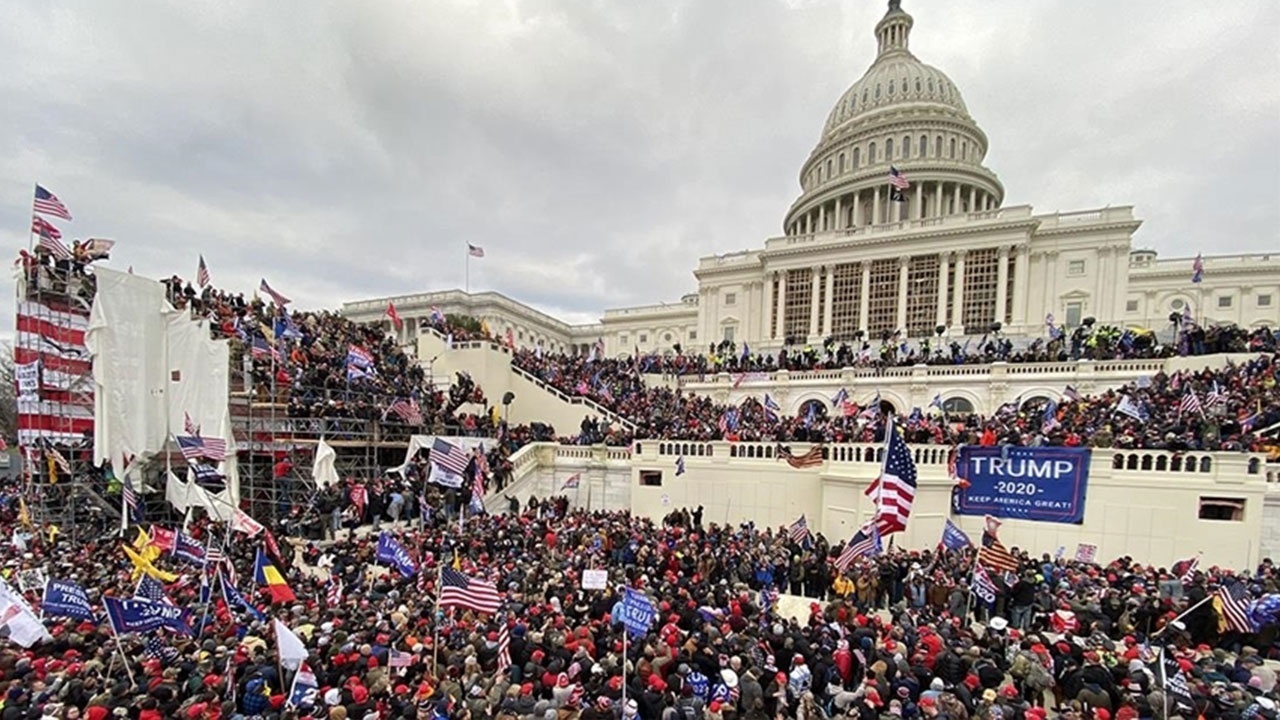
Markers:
point(918, 86)
point(937, 146)
point(841, 163)
point(930, 86)
point(924, 145)
point(877, 91)
point(864, 97)
point(888, 149)
point(890, 87)
point(952, 153)
point(857, 157)
point(829, 163)
point(871, 154)
point(906, 147)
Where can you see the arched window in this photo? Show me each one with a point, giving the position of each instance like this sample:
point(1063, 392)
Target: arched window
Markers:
point(857, 157)
point(906, 146)
point(841, 163)
point(957, 406)
point(937, 146)
point(964, 150)
point(924, 146)
point(828, 168)
point(877, 91)
point(952, 152)
point(817, 407)
point(871, 154)
point(931, 85)
point(890, 87)
point(888, 149)
point(917, 86)
point(864, 97)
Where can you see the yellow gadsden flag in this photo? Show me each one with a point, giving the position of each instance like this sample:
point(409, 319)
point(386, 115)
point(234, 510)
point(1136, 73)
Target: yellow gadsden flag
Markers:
point(142, 565)
point(143, 546)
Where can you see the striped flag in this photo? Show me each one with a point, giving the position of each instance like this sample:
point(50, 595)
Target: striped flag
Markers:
point(1188, 574)
point(279, 299)
point(195, 447)
point(1190, 403)
point(333, 592)
point(992, 553)
point(812, 458)
point(572, 482)
point(449, 456)
point(504, 648)
point(898, 179)
point(865, 542)
point(47, 203)
point(895, 489)
point(202, 274)
point(458, 589)
point(1072, 394)
point(189, 426)
point(1230, 604)
point(1215, 396)
point(475, 251)
point(132, 503)
point(408, 411)
point(799, 530)
point(1197, 268)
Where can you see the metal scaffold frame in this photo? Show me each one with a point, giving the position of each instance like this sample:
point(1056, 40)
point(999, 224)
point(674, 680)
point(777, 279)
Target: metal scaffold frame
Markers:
point(61, 483)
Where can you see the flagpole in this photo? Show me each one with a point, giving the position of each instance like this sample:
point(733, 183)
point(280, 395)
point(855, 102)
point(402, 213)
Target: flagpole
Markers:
point(467, 286)
point(435, 643)
point(120, 647)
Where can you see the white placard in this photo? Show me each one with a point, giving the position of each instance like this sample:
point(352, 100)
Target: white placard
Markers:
point(595, 579)
point(28, 377)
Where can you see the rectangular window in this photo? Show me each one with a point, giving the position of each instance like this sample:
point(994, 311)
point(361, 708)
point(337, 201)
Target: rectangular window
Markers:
point(1264, 301)
point(1075, 267)
point(693, 334)
point(651, 478)
point(1218, 508)
point(846, 289)
point(622, 340)
point(981, 278)
point(1224, 301)
point(730, 298)
point(644, 338)
point(729, 332)
point(882, 306)
point(1075, 311)
point(796, 304)
point(1131, 306)
point(922, 295)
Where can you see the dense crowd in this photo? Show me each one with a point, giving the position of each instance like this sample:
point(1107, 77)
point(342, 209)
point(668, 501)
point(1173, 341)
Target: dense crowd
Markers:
point(894, 636)
point(1233, 403)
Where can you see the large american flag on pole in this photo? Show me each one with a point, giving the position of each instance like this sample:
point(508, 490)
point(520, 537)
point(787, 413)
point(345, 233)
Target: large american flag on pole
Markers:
point(449, 456)
point(895, 489)
point(458, 589)
point(504, 647)
point(48, 204)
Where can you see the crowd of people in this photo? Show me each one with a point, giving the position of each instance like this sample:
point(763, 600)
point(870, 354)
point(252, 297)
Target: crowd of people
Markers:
point(892, 636)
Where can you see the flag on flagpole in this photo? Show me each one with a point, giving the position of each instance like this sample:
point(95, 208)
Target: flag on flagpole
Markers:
point(132, 503)
point(458, 589)
point(265, 573)
point(680, 466)
point(865, 542)
point(395, 316)
point(47, 203)
point(504, 648)
point(992, 553)
point(571, 482)
point(475, 251)
point(1229, 601)
point(953, 538)
point(1197, 268)
point(895, 489)
point(799, 530)
point(202, 273)
point(279, 299)
point(304, 689)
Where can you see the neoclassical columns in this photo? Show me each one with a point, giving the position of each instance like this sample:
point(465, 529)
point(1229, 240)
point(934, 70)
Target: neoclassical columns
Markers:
point(766, 332)
point(917, 211)
point(814, 287)
point(864, 300)
point(826, 301)
point(901, 320)
point(875, 207)
point(943, 262)
point(1020, 264)
point(857, 209)
point(937, 199)
point(1002, 283)
point(973, 199)
point(781, 306)
point(839, 223)
point(957, 293)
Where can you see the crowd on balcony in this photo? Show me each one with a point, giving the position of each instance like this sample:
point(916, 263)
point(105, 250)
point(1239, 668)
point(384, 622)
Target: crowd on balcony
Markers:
point(892, 636)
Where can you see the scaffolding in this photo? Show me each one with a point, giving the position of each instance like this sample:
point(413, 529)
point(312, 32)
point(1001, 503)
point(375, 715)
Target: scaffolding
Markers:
point(56, 402)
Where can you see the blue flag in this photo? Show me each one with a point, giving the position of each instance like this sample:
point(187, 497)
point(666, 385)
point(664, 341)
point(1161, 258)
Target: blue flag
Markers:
point(137, 615)
point(233, 598)
point(189, 549)
point(63, 598)
point(953, 538)
point(390, 551)
point(638, 612)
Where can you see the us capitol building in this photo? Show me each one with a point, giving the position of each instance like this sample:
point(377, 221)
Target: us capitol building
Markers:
point(936, 249)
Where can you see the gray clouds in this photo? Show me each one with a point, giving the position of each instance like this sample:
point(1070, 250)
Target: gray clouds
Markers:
point(595, 149)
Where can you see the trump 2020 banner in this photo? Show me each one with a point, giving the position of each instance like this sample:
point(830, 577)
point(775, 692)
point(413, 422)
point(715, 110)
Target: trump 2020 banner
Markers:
point(1044, 484)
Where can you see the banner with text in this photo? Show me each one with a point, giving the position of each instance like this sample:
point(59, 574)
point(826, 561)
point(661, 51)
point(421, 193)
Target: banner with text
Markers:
point(1044, 484)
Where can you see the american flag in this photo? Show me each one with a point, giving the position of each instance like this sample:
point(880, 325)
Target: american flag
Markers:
point(1072, 394)
point(151, 589)
point(132, 504)
point(571, 482)
point(1230, 602)
point(397, 659)
point(1188, 574)
point(279, 299)
point(407, 410)
point(477, 483)
point(195, 447)
point(475, 250)
point(333, 592)
point(799, 530)
point(992, 553)
point(865, 542)
point(49, 239)
point(202, 274)
point(680, 466)
point(813, 458)
point(895, 489)
point(49, 204)
point(449, 456)
point(1215, 396)
point(189, 426)
point(262, 350)
point(44, 228)
point(1197, 268)
point(504, 648)
point(898, 179)
point(1190, 403)
point(157, 648)
point(458, 589)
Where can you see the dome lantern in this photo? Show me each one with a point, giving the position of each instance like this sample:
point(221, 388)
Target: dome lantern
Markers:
point(893, 31)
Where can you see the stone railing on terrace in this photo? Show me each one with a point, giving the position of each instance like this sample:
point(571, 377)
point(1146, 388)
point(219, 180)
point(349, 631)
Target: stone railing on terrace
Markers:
point(1219, 465)
point(995, 370)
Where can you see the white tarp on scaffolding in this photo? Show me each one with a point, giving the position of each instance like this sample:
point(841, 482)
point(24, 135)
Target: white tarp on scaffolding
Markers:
point(154, 367)
point(126, 339)
point(324, 470)
point(424, 442)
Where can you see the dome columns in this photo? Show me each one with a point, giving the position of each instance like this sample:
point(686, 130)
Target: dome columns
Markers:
point(874, 205)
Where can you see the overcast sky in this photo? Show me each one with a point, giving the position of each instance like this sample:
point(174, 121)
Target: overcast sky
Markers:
point(594, 148)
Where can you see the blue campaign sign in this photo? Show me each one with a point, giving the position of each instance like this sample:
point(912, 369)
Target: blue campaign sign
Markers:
point(1044, 484)
point(637, 612)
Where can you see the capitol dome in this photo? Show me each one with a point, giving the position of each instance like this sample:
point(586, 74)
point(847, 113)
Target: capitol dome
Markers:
point(902, 114)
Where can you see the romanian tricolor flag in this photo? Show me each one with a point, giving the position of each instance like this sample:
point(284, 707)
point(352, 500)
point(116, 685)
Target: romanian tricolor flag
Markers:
point(267, 574)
